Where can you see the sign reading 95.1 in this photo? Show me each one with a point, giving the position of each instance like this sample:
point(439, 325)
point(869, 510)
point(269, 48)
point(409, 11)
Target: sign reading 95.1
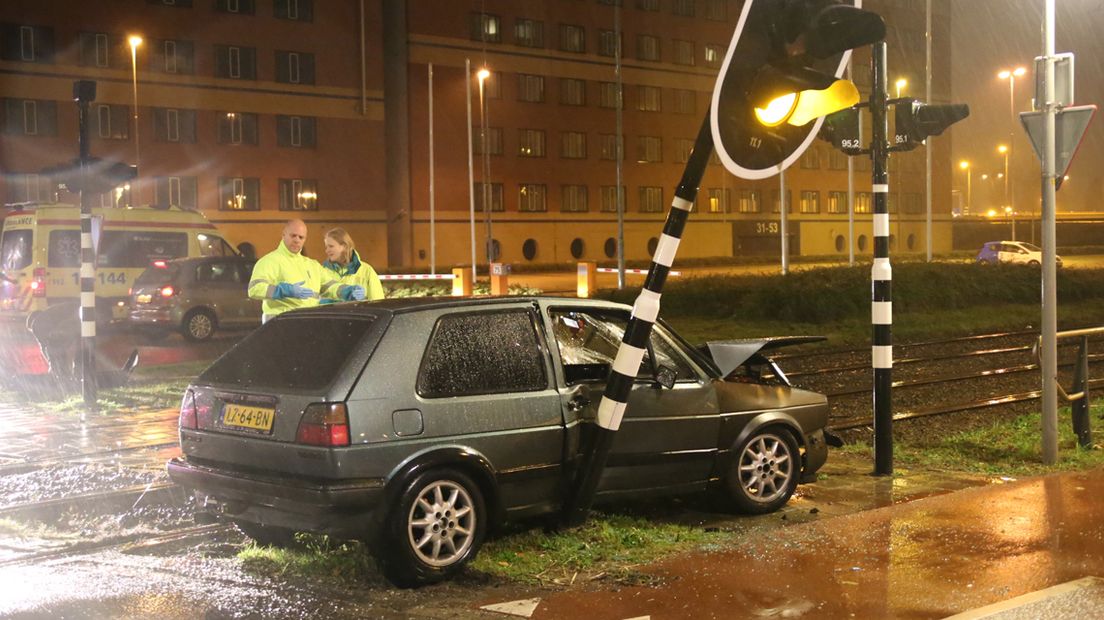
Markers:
point(757, 228)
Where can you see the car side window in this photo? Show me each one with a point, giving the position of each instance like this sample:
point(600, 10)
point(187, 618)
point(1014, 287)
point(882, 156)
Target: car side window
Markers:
point(491, 352)
point(217, 272)
point(588, 344)
point(210, 245)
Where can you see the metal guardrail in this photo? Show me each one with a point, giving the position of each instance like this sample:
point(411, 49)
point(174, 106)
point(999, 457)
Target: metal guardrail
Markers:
point(1079, 400)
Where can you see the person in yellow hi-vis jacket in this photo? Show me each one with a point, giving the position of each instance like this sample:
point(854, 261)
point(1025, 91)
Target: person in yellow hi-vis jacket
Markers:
point(287, 280)
point(344, 264)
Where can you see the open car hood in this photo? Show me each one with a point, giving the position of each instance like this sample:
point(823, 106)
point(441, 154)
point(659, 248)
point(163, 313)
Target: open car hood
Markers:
point(728, 355)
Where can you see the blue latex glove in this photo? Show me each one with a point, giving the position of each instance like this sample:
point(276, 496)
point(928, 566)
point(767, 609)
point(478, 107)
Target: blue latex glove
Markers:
point(293, 291)
point(326, 301)
point(353, 293)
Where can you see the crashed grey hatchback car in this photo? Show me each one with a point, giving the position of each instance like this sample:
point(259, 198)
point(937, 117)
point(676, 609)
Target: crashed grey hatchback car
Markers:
point(420, 424)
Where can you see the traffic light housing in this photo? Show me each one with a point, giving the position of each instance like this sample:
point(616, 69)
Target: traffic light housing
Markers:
point(915, 121)
point(842, 129)
point(781, 76)
point(103, 175)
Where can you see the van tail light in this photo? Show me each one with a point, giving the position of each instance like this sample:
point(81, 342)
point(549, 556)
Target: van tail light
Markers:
point(167, 291)
point(38, 282)
point(188, 410)
point(324, 424)
point(160, 264)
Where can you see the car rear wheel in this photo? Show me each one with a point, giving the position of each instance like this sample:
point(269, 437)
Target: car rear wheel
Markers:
point(267, 535)
point(436, 527)
point(764, 471)
point(198, 325)
point(1033, 263)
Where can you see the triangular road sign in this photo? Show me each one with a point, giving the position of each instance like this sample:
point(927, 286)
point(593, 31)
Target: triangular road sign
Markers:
point(1070, 125)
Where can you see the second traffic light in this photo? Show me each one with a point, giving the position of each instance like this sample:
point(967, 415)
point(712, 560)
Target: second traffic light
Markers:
point(915, 121)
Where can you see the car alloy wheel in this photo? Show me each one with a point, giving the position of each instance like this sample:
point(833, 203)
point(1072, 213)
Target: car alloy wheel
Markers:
point(199, 325)
point(441, 523)
point(765, 471)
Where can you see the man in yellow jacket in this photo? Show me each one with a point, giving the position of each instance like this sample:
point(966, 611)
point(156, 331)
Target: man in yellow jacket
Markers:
point(287, 280)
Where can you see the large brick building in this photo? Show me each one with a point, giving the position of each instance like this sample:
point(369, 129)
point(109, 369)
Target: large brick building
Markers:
point(255, 110)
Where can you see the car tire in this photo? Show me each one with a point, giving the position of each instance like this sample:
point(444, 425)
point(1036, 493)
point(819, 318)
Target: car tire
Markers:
point(198, 325)
point(435, 528)
point(268, 535)
point(764, 471)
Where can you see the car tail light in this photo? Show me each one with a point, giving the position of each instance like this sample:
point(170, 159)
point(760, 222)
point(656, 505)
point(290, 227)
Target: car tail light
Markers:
point(160, 264)
point(38, 282)
point(324, 424)
point(167, 291)
point(188, 411)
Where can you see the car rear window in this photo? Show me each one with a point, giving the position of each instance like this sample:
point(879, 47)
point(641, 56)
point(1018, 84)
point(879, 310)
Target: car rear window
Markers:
point(15, 250)
point(158, 275)
point(294, 354)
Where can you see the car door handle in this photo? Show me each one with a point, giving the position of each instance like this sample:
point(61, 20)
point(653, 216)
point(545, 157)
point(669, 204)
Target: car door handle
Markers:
point(578, 403)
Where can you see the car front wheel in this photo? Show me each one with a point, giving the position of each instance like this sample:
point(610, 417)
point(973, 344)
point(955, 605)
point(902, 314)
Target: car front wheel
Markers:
point(198, 325)
point(437, 526)
point(764, 471)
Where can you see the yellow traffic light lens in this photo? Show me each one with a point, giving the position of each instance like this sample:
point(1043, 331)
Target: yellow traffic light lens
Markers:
point(777, 111)
point(812, 104)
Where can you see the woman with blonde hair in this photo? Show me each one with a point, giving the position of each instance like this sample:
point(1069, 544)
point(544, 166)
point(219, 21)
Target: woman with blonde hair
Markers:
point(343, 262)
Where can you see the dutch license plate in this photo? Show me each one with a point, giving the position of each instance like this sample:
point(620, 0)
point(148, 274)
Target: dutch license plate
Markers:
point(144, 298)
point(243, 416)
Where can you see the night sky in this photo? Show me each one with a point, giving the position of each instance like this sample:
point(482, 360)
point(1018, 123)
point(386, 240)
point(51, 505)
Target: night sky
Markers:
point(990, 35)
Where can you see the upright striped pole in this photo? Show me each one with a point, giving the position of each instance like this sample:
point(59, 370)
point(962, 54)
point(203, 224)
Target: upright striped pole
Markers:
point(881, 274)
point(84, 91)
point(635, 342)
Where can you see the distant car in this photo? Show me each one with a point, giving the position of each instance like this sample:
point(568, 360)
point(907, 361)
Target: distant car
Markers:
point(1017, 252)
point(195, 296)
point(419, 424)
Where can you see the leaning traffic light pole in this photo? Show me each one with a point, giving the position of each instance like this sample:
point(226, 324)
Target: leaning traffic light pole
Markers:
point(780, 77)
point(84, 92)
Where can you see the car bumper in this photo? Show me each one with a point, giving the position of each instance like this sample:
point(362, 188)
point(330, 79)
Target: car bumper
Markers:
point(344, 509)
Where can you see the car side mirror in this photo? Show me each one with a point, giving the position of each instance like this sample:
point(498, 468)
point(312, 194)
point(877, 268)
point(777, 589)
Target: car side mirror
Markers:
point(665, 376)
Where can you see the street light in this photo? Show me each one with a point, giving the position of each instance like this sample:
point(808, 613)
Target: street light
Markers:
point(483, 74)
point(965, 165)
point(901, 83)
point(134, 41)
point(1011, 75)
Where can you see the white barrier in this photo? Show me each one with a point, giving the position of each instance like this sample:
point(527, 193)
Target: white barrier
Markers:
point(417, 276)
point(641, 272)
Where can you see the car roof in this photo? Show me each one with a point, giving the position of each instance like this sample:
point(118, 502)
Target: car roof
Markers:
point(401, 305)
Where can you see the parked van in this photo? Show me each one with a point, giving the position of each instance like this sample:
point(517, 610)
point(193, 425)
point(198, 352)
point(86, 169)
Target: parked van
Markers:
point(40, 252)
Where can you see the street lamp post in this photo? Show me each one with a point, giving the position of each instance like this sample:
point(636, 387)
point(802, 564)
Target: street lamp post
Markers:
point(1004, 150)
point(134, 41)
point(965, 165)
point(483, 74)
point(1011, 75)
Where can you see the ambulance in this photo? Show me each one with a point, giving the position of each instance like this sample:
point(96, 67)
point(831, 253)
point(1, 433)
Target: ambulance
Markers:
point(40, 252)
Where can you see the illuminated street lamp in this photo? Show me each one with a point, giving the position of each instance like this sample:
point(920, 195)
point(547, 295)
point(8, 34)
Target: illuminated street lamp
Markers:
point(134, 41)
point(1011, 75)
point(965, 165)
point(901, 83)
point(483, 74)
point(1004, 150)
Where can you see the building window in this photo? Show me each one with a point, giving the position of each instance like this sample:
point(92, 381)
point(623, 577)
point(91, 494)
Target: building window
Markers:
point(295, 67)
point(649, 149)
point(296, 131)
point(96, 49)
point(572, 91)
point(683, 148)
point(714, 55)
point(30, 188)
point(720, 200)
point(610, 198)
point(531, 197)
point(810, 201)
point(573, 198)
point(531, 143)
point(174, 125)
point(837, 202)
point(572, 38)
point(750, 201)
point(684, 52)
point(573, 145)
point(810, 159)
point(180, 4)
point(686, 101)
point(485, 27)
point(235, 63)
point(298, 195)
point(611, 148)
point(27, 43)
point(609, 95)
point(649, 98)
point(529, 33)
point(112, 121)
point(298, 10)
point(647, 47)
point(175, 192)
point(651, 200)
point(30, 117)
point(494, 196)
point(239, 194)
point(862, 202)
point(237, 128)
point(531, 88)
point(494, 140)
point(716, 10)
point(174, 56)
point(684, 8)
point(607, 43)
point(774, 202)
point(241, 7)
point(647, 5)
point(836, 160)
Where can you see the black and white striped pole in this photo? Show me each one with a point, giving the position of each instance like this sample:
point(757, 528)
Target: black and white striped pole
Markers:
point(639, 329)
point(881, 274)
point(84, 92)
